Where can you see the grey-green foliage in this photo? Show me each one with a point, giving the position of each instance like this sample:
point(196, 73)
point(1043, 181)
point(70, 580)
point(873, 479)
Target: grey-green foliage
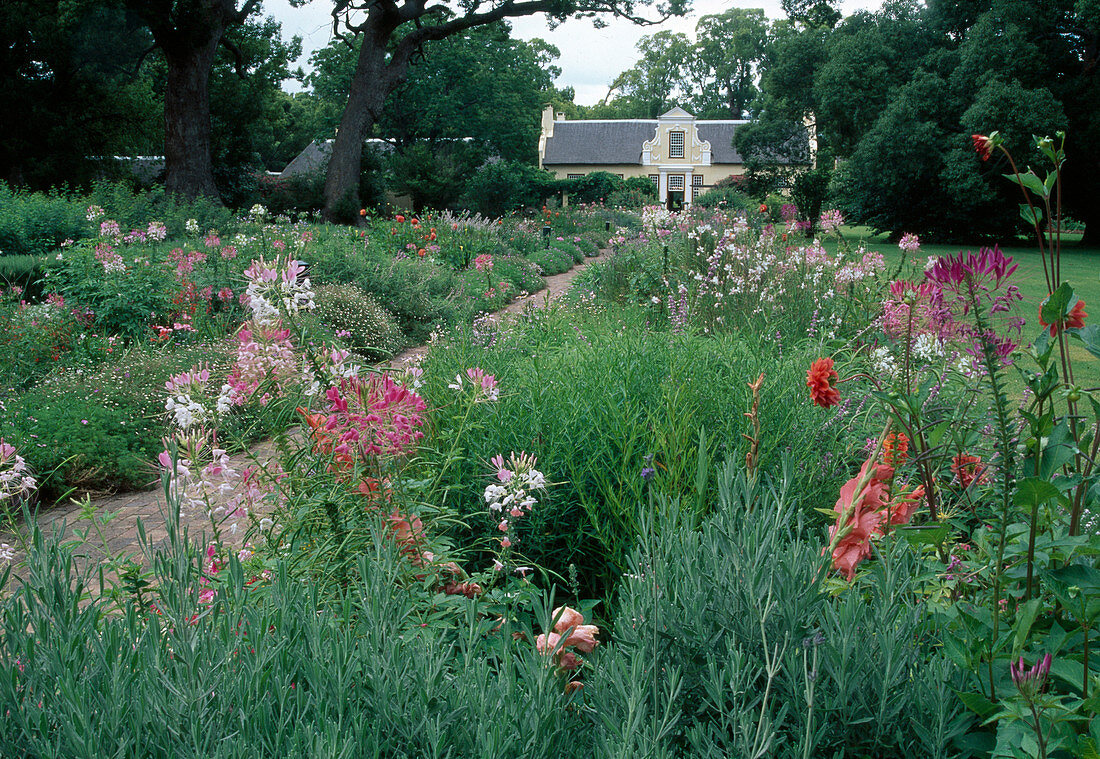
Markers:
point(348, 308)
point(281, 671)
point(742, 642)
point(757, 659)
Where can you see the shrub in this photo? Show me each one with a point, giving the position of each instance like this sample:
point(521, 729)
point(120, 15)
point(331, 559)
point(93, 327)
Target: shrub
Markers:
point(569, 248)
point(34, 223)
point(762, 659)
point(594, 188)
point(134, 209)
point(588, 245)
point(370, 329)
point(499, 187)
point(414, 291)
point(122, 303)
point(521, 272)
point(551, 261)
point(727, 197)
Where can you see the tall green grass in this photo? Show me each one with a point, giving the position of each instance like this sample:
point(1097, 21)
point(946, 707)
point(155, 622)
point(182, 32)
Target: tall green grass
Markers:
point(598, 397)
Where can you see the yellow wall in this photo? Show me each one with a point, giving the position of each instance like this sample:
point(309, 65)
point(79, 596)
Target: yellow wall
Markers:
point(711, 174)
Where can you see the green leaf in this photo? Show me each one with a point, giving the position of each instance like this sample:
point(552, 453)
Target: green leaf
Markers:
point(1084, 577)
point(1089, 337)
point(1033, 491)
point(978, 704)
point(1030, 181)
point(1055, 307)
point(933, 535)
point(1044, 346)
point(1031, 215)
point(1086, 748)
point(1025, 618)
point(1068, 671)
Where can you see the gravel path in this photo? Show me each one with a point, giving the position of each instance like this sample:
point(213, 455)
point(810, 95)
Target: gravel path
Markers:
point(120, 534)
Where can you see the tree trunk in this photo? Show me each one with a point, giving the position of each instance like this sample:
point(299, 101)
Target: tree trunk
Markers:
point(372, 83)
point(188, 165)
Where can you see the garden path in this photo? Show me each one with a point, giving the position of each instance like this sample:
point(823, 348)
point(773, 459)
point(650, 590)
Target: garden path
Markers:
point(119, 536)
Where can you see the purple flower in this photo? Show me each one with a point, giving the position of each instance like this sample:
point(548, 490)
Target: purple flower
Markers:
point(1030, 682)
point(648, 472)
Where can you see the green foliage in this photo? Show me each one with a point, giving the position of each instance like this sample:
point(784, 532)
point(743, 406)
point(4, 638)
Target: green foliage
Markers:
point(433, 175)
point(809, 190)
point(124, 303)
point(551, 260)
point(32, 224)
point(729, 197)
point(371, 330)
point(99, 427)
point(134, 209)
point(569, 248)
point(499, 187)
point(23, 272)
point(739, 651)
point(37, 339)
point(564, 374)
point(594, 187)
point(729, 626)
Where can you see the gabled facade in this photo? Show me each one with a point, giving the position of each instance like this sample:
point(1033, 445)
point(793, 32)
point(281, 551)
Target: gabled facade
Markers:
point(682, 156)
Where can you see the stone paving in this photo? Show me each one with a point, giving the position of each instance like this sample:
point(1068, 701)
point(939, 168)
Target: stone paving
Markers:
point(120, 534)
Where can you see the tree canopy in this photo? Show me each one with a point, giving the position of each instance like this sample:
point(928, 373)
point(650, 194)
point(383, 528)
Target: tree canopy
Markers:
point(392, 34)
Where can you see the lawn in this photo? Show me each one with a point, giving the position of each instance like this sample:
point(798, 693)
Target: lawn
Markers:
point(1080, 267)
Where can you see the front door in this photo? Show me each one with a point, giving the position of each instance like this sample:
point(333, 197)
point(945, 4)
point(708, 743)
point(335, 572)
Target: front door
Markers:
point(675, 200)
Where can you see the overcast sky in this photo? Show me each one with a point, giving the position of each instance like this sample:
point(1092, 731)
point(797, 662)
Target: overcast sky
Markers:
point(590, 58)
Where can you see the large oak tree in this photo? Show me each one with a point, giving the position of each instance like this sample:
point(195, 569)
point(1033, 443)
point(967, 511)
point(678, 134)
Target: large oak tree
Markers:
point(189, 34)
point(393, 33)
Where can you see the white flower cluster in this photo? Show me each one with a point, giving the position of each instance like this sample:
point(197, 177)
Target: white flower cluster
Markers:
point(884, 362)
point(198, 487)
point(511, 494)
point(183, 389)
point(268, 287)
point(928, 347)
point(257, 212)
point(192, 226)
point(15, 478)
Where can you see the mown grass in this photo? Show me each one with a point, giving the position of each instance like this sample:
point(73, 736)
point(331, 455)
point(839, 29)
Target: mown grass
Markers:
point(1080, 267)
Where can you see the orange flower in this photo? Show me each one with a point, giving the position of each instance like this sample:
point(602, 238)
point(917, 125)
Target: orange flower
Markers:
point(763, 208)
point(859, 515)
point(400, 219)
point(821, 379)
point(362, 212)
point(968, 469)
point(895, 449)
point(421, 252)
point(904, 505)
point(1074, 320)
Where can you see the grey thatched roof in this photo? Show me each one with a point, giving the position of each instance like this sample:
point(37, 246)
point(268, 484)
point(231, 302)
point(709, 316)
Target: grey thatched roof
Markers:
point(720, 136)
point(314, 157)
point(620, 141)
point(596, 142)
